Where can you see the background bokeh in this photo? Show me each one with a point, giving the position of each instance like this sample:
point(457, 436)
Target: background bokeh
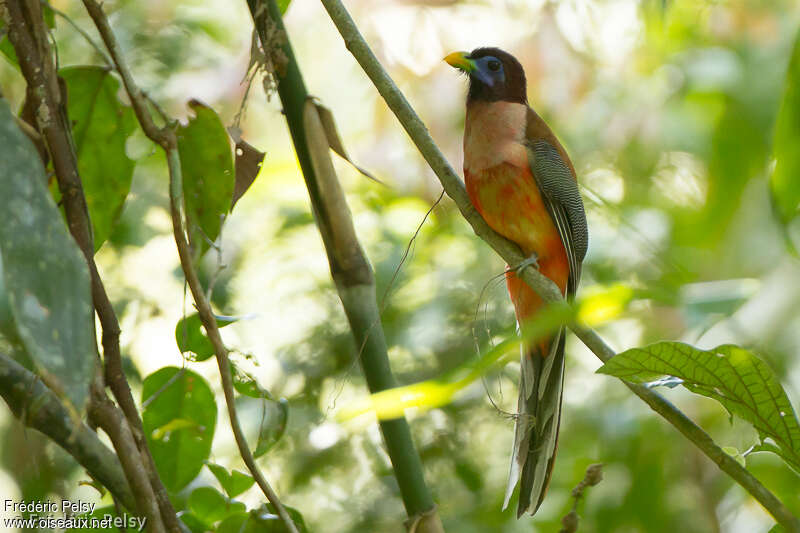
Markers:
point(667, 109)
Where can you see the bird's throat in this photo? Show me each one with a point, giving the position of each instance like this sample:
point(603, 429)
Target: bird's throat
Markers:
point(493, 134)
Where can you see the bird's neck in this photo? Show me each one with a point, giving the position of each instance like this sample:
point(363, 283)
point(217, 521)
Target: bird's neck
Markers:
point(493, 134)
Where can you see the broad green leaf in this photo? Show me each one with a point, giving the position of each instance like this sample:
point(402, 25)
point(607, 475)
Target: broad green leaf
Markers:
point(101, 125)
point(172, 394)
point(785, 182)
point(211, 506)
point(208, 176)
point(736, 378)
point(234, 482)
point(190, 334)
point(45, 275)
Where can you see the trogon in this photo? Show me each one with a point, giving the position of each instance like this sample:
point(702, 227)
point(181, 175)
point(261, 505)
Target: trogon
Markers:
point(522, 182)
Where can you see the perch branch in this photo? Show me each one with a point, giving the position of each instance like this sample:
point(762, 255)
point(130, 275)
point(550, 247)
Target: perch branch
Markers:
point(509, 251)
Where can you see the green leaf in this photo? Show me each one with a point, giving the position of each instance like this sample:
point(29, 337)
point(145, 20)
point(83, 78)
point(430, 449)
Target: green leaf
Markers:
point(194, 524)
point(274, 417)
point(283, 5)
point(234, 482)
point(274, 413)
point(785, 181)
point(102, 513)
point(45, 275)
point(736, 378)
point(190, 334)
point(208, 176)
point(101, 126)
point(173, 394)
point(261, 520)
point(211, 506)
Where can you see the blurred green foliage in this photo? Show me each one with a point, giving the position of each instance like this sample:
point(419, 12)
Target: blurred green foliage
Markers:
point(674, 113)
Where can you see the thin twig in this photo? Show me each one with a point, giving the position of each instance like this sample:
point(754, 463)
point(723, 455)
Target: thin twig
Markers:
point(511, 253)
point(166, 138)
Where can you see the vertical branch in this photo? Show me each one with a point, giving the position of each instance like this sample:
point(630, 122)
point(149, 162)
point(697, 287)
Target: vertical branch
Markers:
point(28, 35)
point(165, 137)
point(349, 266)
point(510, 252)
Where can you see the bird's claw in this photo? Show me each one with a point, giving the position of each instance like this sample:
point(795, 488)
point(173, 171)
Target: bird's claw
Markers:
point(533, 261)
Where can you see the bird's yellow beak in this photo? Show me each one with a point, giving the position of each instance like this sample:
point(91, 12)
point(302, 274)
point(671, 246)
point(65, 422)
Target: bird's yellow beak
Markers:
point(460, 60)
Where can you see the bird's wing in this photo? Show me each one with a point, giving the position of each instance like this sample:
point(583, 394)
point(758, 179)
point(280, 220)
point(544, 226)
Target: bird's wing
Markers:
point(560, 194)
point(542, 379)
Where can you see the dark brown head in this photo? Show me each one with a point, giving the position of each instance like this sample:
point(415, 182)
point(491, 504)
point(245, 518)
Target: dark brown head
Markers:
point(494, 75)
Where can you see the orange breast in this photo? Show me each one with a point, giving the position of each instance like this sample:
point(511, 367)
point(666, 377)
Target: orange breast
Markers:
point(509, 200)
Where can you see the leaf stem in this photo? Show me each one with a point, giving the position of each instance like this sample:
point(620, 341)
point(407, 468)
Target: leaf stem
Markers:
point(511, 253)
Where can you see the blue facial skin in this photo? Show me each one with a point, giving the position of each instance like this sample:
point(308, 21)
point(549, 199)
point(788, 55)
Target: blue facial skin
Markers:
point(489, 71)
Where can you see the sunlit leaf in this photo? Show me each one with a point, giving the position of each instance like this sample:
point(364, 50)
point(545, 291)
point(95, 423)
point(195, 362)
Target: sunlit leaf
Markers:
point(785, 182)
point(735, 377)
point(735, 453)
point(46, 277)
point(172, 394)
point(391, 403)
point(598, 305)
point(208, 175)
point(283, 5)
point(234, 482)
point(101, 125)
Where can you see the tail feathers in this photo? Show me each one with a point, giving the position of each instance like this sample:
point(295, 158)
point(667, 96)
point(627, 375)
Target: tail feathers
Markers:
point(538, 420)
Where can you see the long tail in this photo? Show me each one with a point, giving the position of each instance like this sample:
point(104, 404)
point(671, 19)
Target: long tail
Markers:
point(538, 421)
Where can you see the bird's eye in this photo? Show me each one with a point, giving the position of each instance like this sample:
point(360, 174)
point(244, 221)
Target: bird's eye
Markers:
point(494, 65)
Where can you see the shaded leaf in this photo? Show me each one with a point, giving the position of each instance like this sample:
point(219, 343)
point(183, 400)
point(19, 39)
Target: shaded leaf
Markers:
point(736, 378)
point(247, 167)
point(171, 394)
point(190, 335)
point(785, 181)
point(101, 125)
point(234, 482)
point(274, 417)
point(261, 520)
point(101, 513)
point(210, 506)
point(208, 176)
point(45, 275)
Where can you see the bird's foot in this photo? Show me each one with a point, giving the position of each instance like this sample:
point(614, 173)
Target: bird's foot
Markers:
point(533, 261)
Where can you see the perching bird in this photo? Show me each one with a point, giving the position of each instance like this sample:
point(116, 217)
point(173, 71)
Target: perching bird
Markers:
point(522, 182)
